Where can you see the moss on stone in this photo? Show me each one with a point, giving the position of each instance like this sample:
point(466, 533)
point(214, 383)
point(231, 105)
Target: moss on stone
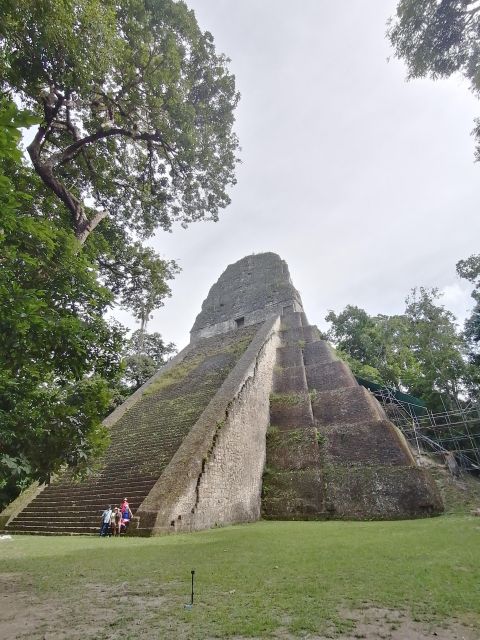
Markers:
point(286, 398)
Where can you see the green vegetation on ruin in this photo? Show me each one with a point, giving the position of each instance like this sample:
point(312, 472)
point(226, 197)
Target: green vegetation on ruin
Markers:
point(286, 398)
point(290, 578)
point(175, 375)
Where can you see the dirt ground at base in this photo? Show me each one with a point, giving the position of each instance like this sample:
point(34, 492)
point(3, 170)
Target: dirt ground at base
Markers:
point(121, 611)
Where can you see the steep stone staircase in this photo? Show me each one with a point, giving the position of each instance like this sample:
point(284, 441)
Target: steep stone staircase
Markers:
point(331, 451)
point(143, 442)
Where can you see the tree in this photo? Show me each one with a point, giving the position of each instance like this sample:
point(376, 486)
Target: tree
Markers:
point(437, 38)
point(136, 109)
point(470, 270)
point(135, 114)
point(419, 352)
point(437, 347)
point(58, 355)
point(144, 354)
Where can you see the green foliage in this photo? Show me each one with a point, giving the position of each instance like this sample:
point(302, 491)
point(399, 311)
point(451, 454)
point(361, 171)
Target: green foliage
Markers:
point(57, 353)
point(438, 38)
point(470, 270)
point(144, 354)
point(419, 352)
point(290, 399)
point(136, 107)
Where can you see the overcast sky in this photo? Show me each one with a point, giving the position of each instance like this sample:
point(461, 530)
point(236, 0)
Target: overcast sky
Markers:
point(364, 183)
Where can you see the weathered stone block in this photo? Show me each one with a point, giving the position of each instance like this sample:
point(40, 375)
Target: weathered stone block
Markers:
point(300, 335)
point(345, 406)
point(288, 379)
point(292, 495)
point(318, 352)
point(290, 410)
point(290, 356)
point(329, 375)
point(291, 320)
point(293, 449)
point(369, 443)
point(381, 493)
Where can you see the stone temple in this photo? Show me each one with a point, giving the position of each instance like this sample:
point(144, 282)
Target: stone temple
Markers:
point(256, 417)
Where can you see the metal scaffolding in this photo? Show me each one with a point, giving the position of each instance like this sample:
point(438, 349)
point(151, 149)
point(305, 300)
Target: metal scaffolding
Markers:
point(454, 434)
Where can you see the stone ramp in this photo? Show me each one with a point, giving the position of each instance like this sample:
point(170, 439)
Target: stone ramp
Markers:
point(331, 451)
point(143, 441)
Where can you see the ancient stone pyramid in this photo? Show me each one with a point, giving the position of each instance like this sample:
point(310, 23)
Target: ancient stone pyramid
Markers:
point(256, 417)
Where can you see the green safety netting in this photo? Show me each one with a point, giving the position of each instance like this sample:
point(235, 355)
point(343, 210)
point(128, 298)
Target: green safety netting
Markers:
point(416, 405)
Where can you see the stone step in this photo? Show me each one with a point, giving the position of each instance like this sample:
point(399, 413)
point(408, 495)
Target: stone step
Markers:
point(51, 512)
point(51, 529)
point(365, 443)
point(93, 503)
point(346, 406)
point(291, 320)
point(297, 494)
point(120, 487)
point(318, 352)
point(300, 336)
point(288, 379)
point(329, 375)
point(99, 491)
point(291, 356)
point(60, 522)
point(294, 449)
point(290, 410)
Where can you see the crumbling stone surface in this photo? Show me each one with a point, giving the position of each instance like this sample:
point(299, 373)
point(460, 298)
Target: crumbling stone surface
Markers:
point(381, 492)
point(249, 291)
point(365, 443)
point(288, 379)
point(318, 352)
point(329, 376)
point(290, 410)
point(346, 405)
point(293, 449)
point(294, 494)
point(215, 476)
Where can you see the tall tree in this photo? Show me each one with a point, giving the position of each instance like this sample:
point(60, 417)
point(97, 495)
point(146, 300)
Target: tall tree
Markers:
point(438, 348)
point(136, 109)
point(470, 270)
point(437, 38)
point(58, 355)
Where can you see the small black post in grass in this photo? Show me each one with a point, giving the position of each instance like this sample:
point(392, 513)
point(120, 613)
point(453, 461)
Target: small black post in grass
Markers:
point(189, 606)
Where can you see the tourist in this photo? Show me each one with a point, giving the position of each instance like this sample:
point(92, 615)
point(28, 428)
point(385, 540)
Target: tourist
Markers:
point(105, 526)
point(126, 515)
point(113, 523)
point(118, 520)
point(126, 512)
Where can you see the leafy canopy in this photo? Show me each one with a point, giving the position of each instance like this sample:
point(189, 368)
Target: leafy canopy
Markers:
point(419, 351)
point(58, 356)
point(437, 38)
point(136, 109)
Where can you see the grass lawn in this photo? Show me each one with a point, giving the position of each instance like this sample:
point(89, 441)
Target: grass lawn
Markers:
point(258, 580)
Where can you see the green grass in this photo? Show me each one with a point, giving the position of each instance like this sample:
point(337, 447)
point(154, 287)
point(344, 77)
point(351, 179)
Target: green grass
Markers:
point(253, 580)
